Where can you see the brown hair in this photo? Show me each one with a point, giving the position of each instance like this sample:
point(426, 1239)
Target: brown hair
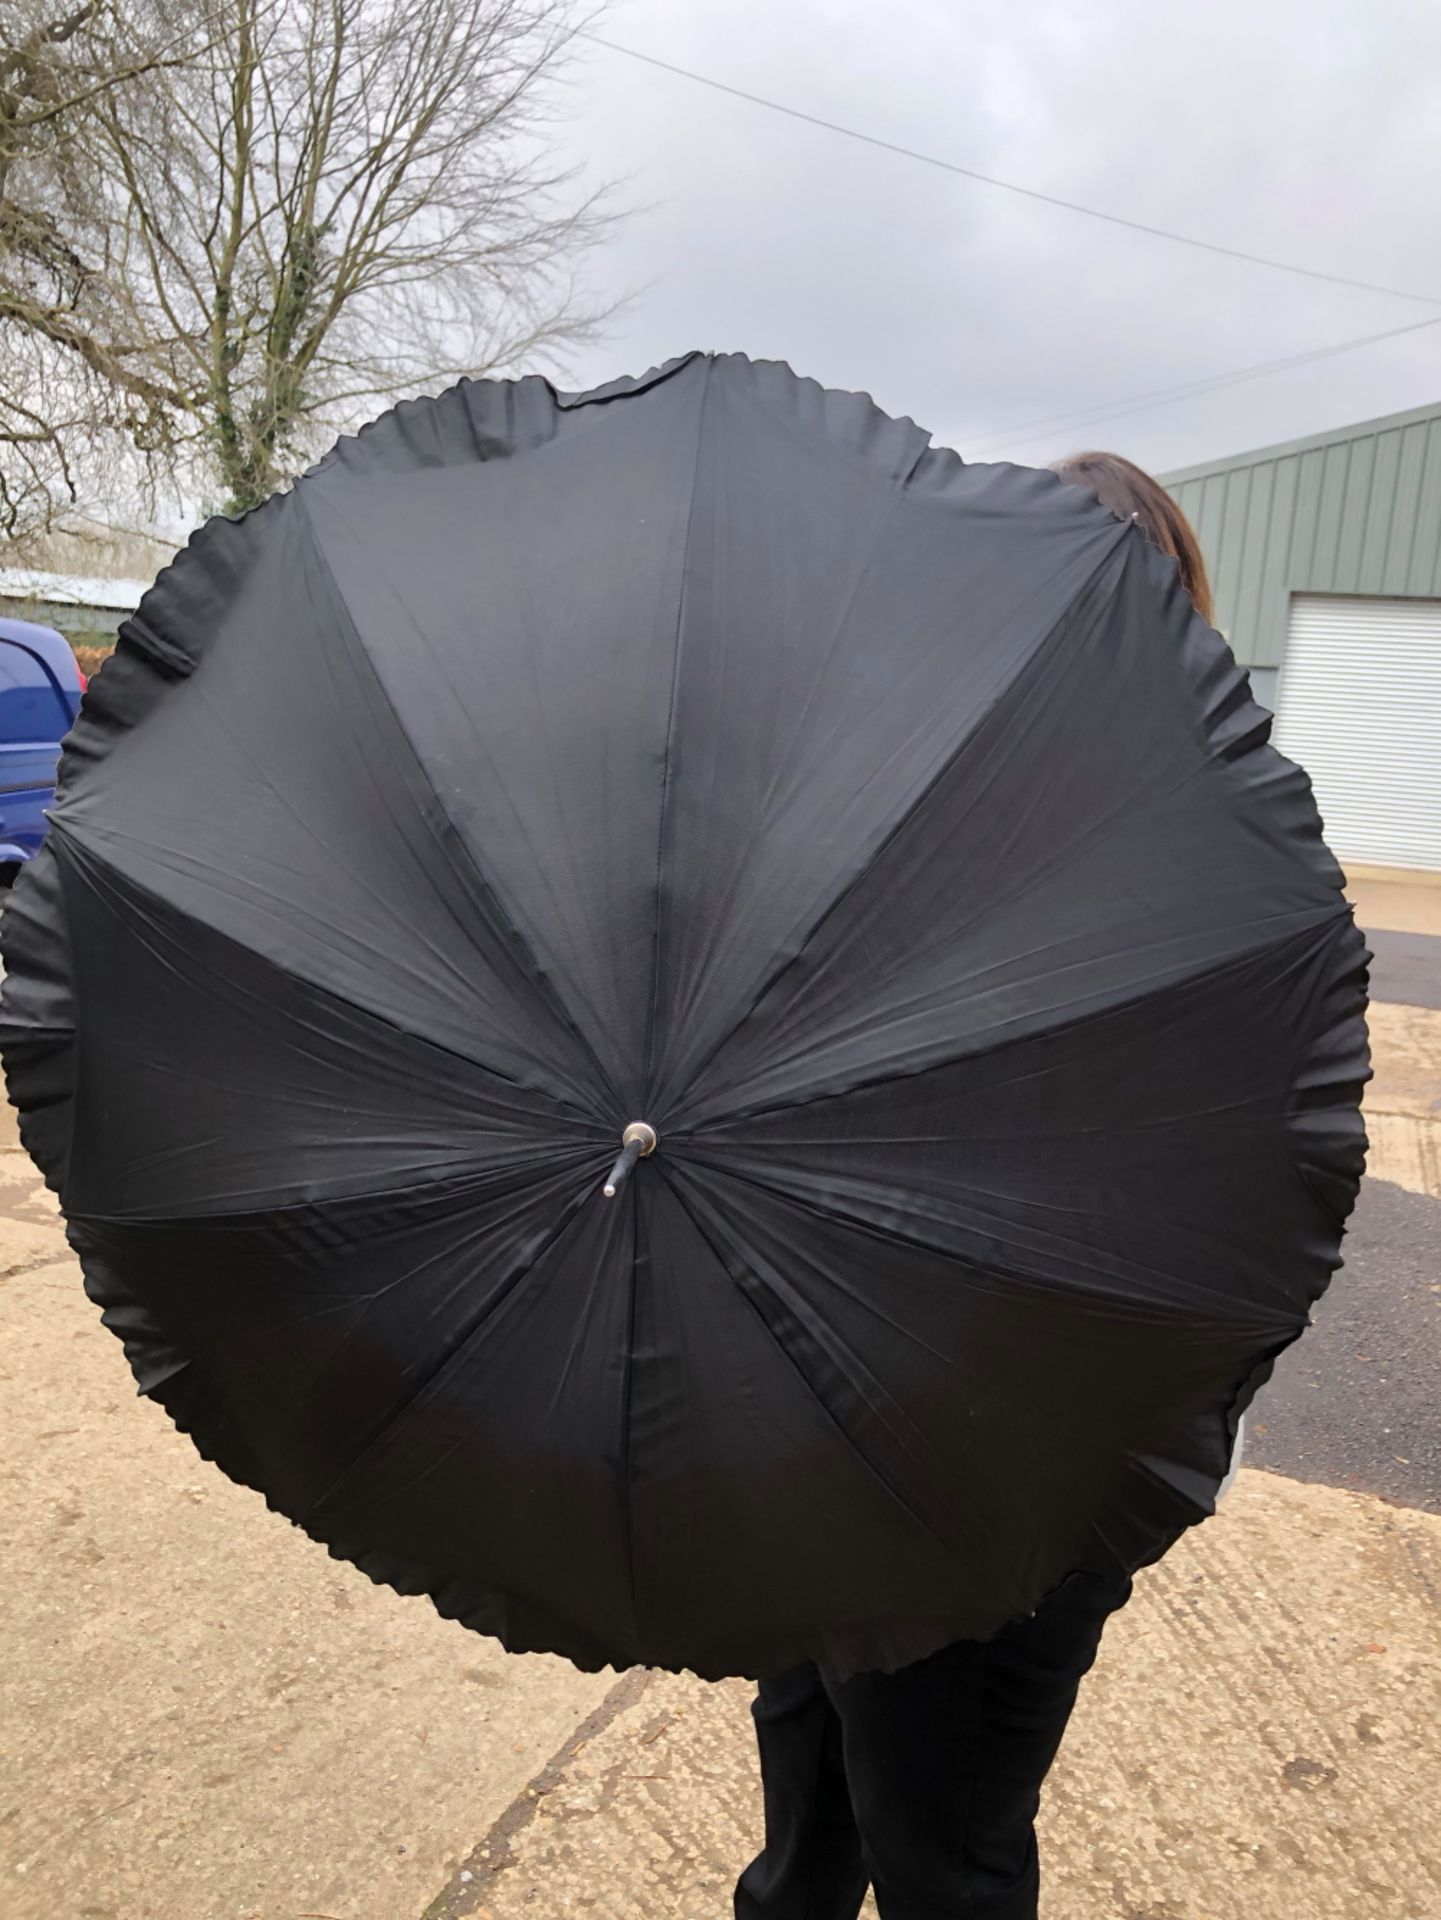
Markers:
point(1122, 486)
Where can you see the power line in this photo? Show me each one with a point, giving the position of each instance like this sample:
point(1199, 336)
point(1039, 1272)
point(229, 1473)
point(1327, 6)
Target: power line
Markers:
point(1007, 186)
point(1105, 412)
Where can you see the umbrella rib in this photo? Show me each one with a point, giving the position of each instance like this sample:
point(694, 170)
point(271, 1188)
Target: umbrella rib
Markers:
point(459, 1188)
point(653, 1009)
point(538, 976)
point(296, 813)
point(627, 1403)
point(890, 1233)
point(455, 1353)
point(784, 760)
point(81, 845)
point(1101, 832)
point(877, 1472)
point(1334, 918)
point(795, 950)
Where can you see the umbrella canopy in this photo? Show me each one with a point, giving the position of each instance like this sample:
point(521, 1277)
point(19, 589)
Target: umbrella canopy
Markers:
point(887, 839)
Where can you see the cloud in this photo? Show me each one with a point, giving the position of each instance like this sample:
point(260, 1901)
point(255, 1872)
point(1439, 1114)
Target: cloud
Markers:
point(1300, 128)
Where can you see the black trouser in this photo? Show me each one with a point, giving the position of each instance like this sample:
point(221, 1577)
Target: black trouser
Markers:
point(924, 1782)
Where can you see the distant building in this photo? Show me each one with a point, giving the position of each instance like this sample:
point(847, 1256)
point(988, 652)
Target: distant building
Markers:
point(81, 576)
point(87, 612)
point(1326, 559)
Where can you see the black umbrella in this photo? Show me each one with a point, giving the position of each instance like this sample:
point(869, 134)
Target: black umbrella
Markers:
point(884, 839)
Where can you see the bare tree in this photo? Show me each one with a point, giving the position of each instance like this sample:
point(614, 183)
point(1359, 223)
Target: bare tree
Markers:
point(325, 205)
point(84, 371)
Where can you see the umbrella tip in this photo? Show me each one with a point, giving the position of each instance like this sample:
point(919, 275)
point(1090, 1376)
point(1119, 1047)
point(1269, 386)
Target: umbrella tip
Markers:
point(638, 1142)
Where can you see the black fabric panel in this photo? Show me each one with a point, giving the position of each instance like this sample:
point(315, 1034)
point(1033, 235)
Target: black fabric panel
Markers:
point(1146, 1154)
point(1048, 853)
point(215, 1082)
point(563, 573)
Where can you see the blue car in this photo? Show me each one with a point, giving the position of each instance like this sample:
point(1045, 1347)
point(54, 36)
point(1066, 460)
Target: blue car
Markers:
point(40, 689)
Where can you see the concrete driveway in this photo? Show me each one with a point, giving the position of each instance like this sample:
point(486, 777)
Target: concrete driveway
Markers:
point(204, 1718)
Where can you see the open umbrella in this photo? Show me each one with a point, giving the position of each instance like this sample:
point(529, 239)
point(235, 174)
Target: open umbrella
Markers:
point(883, 841)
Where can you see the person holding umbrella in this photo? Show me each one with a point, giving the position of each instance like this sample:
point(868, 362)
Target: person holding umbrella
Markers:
point(713, 1038)
point(926, 1781)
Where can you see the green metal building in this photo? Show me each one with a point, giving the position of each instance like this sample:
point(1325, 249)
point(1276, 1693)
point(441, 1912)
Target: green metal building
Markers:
point(1325, 555)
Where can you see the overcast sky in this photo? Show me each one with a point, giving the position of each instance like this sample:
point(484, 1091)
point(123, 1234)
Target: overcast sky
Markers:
point(1305, 129)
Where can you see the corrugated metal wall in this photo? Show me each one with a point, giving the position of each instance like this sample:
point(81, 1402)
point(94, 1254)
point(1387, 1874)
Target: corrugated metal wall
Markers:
point(1357, 511)
point(84, 626)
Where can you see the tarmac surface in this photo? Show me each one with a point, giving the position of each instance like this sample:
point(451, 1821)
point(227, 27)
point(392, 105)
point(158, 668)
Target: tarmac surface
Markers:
point(1357, 1402)
point(1406, 967)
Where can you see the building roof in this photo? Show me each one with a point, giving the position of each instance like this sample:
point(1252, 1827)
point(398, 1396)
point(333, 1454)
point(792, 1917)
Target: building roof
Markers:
point(1361, 430)
point(71, 590)
point(1354, 511)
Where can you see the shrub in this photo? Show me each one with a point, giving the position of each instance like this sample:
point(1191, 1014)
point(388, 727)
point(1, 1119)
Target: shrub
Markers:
point(92, 659)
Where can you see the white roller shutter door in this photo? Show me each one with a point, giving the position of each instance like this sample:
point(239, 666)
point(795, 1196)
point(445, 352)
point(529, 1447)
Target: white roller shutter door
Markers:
point(1359, 706)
